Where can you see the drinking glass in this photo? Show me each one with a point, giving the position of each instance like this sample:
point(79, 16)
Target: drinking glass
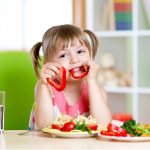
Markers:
point(2, 110)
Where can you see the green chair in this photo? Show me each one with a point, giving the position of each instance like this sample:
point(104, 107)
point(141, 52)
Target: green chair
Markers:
point(18, 80)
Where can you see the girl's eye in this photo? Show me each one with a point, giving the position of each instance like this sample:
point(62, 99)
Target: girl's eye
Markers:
point(81, 51)
point(62, 56)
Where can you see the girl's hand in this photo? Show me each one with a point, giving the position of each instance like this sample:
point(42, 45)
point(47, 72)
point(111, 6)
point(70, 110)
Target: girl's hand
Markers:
point(49, 70)
point(93, 71)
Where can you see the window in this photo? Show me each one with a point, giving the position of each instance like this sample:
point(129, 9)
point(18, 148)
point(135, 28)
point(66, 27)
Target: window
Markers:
point(23, 22)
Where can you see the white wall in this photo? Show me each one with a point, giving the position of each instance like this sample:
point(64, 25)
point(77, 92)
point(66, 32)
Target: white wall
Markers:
point(23, 22)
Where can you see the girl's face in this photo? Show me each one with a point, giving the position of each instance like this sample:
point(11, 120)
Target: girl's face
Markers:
point(72, 56)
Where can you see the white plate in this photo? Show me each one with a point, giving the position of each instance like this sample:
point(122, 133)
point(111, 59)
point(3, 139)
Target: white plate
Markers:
point(128, 139)
point(57, 133)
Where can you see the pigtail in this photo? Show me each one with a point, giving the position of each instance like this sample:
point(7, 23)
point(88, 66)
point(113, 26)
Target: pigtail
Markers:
point(36, 57)
point(93, 41)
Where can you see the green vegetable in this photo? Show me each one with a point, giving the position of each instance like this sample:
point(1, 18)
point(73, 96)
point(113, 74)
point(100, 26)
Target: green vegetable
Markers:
point(134, 128)
point(141, 130)
point(130, 127)
point(82, 126)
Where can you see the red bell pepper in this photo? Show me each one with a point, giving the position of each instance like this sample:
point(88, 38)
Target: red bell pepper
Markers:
point(113, 130)
point(82, 75)
point(59, 86)
point(112, 127)
point(108, 133)
point(56, 126)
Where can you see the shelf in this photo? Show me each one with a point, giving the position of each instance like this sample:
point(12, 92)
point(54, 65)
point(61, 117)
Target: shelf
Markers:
point(114, 33)
point(130, 49)
point(143, 62)
point(122, 33)
point(127, 90)
point(119, 89)
point(144, 90)
point(143, 33)
point(120, 48)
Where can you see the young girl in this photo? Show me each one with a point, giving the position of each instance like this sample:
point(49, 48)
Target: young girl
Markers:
point(69, 47)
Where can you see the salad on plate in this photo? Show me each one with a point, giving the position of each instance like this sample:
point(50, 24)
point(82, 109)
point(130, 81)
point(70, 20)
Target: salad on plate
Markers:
point(80, 126)
point(128, 131)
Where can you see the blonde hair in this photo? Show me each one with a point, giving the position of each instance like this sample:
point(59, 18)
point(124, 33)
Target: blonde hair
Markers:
point(58, 37)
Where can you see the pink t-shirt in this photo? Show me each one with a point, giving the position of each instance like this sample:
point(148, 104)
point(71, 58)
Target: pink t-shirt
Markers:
point(61, 106)
point(81, 107)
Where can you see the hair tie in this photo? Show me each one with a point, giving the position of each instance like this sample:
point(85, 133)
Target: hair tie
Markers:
point(81, 30)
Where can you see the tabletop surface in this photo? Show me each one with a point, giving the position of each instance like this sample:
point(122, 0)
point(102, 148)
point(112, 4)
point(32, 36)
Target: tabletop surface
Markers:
point(13, 139)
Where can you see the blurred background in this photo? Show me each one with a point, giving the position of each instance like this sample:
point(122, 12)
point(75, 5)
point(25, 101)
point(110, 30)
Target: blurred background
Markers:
point(123, 30)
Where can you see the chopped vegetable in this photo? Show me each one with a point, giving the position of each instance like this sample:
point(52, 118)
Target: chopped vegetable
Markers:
point(82, 75)
point(135, 129)
point(108, 133)
point(83, 127)
point(92, 126)
point(78, 124)
point(113, 130)
point(56, 126)
point(59, 86)
point(68, 126)
point(130, 127)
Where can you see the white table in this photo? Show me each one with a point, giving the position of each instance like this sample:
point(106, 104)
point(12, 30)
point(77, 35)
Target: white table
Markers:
point(37, 140)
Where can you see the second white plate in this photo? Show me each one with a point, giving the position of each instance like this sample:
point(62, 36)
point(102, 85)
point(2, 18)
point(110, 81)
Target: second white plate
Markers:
point(128, 139)
point(58, 133)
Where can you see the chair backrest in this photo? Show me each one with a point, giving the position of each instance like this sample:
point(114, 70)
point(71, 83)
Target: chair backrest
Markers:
point(18, 80)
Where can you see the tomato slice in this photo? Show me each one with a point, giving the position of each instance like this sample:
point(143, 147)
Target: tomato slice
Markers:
point(56, 126)
point(121, 130)
point(68, 126)
point(121, 134)
point(113, 130)
point(112, 127)
point(108, 133)
point(92, 126)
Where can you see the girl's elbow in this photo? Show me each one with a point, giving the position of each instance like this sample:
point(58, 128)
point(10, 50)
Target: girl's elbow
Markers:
point(40, 122)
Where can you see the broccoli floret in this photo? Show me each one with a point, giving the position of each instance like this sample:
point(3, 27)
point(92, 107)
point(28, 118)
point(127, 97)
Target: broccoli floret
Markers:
point(130, 126)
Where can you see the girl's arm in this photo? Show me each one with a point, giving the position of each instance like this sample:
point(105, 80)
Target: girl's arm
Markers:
point(97, 97)
point(44, 111)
